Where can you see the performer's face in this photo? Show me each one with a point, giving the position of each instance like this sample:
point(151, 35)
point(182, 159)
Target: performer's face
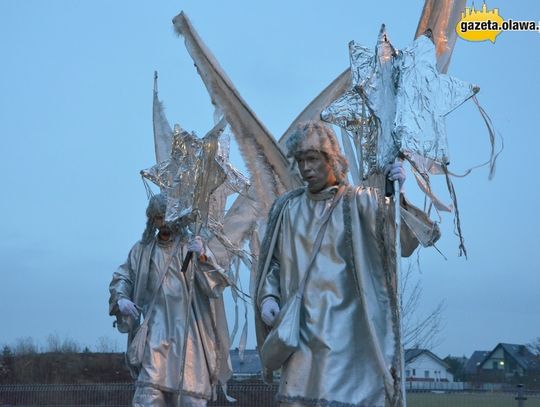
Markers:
point(164, 230)
point(315, 170)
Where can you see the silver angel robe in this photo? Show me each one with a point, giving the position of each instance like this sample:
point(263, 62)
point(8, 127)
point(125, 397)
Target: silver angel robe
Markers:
point(347, 343)
point(207, 348)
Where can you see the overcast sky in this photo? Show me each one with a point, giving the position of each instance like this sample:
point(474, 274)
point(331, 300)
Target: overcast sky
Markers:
point(76, 127)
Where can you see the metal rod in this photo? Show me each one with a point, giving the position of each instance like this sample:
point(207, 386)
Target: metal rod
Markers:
point(397, 214)
point(188, 315)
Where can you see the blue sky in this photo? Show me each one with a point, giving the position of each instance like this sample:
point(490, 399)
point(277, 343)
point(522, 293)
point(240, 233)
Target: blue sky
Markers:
point(76, 127)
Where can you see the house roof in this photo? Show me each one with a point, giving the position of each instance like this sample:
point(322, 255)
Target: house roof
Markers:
point(412, 354)
point(250, 365)
point(475, 360)
point(521, 355)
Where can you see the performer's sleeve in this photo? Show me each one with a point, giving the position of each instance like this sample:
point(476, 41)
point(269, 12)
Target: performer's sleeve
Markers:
point(122, 283)
point(270, 285)
point(121, 286)
point(416, 228)
point(210, 275)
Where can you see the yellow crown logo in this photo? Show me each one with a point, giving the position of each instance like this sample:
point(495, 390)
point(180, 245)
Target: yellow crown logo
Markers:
point(478, 25)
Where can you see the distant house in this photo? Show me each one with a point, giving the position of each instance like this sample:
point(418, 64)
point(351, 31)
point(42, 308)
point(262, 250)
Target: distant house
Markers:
point(247, 367)
point(424, 365)
point(473, 364)
point(510, 360)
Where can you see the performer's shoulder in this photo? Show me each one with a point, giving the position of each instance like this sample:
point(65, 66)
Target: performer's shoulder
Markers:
point(361, 190)
point(138, 248)
point(287, 196)
point(364, 195)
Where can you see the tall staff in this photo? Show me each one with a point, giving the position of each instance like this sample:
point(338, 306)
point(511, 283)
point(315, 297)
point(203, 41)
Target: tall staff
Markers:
point(209, 177)
point(390, 118)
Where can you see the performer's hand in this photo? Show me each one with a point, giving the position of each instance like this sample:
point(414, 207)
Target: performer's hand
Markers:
point(127, 307)
point(269, 311)
point(196, 245)
point(396, 172)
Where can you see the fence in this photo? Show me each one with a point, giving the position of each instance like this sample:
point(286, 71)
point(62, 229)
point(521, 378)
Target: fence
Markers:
point(248, 394)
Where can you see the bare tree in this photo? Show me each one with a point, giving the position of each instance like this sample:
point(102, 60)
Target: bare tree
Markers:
point(53, 343)
point(69, 345)
point(106, 345)
point(419, 331)
point(25, 346)
point(57, 345)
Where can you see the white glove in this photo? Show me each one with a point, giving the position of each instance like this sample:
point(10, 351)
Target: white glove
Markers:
point(396, 172)
point(196, 245)
point(269, 310)
point(127, 307)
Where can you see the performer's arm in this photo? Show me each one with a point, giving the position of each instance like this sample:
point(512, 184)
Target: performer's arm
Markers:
point(270, 286)
point(209, 274)
point(121, 289)
point(269, 294)
point(416, 227)
point(122, 283)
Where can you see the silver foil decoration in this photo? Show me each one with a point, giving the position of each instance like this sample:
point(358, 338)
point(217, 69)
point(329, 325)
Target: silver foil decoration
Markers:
point(235, 181)
point(195, 170)
point(424, 97)
point(367, 110)
point(397, 104)
point(177, 177)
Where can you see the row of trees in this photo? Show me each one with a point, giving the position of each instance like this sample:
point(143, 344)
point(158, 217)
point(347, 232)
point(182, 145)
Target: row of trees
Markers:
point(55, 344)
point(62, 367)
point(61, 360)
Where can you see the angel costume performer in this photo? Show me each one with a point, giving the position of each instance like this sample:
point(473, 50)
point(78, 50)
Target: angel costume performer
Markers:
point(347, 348)
point(132, 286)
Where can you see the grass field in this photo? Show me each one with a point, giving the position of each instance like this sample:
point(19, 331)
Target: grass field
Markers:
point(468, 400)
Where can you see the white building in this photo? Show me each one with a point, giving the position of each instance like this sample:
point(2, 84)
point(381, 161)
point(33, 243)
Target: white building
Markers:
point(423, 365)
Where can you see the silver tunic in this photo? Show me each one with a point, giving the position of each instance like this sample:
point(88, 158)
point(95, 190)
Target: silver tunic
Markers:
point(206, 354)
point(347, 343)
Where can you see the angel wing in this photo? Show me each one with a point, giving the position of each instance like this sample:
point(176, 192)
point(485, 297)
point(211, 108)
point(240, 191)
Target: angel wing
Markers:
point(265, 160)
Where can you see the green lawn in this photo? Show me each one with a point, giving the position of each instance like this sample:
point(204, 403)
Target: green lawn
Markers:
point(468, 400)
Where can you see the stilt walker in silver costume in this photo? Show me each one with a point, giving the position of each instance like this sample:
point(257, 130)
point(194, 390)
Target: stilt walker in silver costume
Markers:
point(346, 349)
point(151, 283)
